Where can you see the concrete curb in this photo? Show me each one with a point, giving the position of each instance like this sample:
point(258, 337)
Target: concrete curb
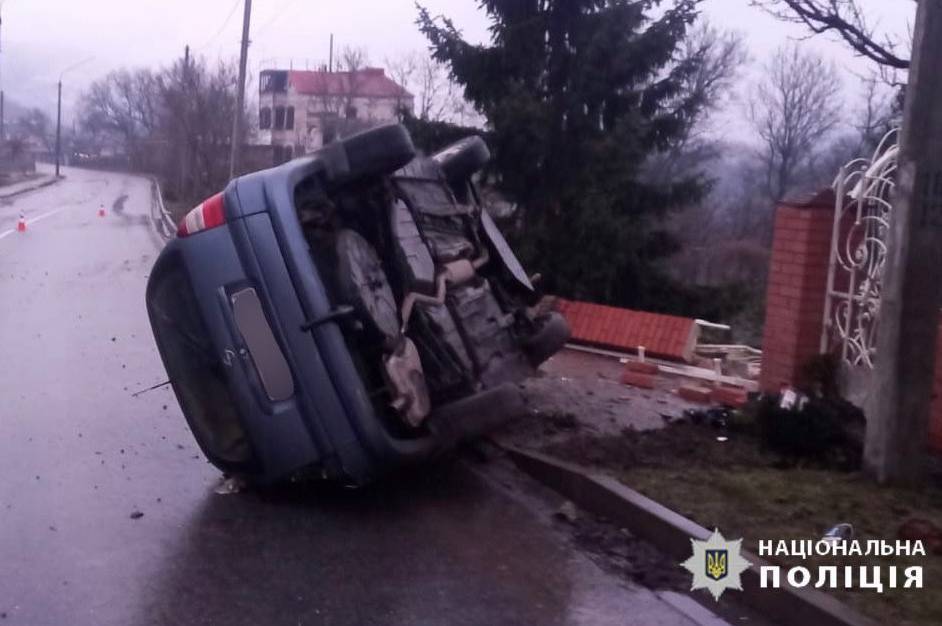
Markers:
point(40, 185)
point(671, 532)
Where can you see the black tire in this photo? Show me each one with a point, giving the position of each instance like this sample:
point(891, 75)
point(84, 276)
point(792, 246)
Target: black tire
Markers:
point(362, 283)
point(377, 151)
point(551, 335)
point(462, 159)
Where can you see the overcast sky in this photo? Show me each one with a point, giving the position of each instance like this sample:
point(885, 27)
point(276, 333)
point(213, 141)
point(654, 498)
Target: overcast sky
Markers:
point(40, 38)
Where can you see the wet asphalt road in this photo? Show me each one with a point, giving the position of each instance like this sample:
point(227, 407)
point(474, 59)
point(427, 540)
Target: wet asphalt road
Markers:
point(79, 455)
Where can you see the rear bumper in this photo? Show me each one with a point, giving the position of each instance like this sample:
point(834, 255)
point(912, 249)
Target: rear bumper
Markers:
point(283, 434)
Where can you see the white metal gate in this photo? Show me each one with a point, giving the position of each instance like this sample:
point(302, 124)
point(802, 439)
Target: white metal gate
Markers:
point(858, 254)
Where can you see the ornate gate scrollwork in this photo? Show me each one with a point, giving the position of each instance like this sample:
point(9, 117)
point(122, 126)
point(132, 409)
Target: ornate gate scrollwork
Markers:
point(858, 254)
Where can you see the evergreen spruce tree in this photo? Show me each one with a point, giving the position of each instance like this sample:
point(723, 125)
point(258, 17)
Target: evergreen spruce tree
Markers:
point(579, 94)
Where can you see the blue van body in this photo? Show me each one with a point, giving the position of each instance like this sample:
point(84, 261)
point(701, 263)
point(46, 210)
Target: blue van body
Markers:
point(320, 418)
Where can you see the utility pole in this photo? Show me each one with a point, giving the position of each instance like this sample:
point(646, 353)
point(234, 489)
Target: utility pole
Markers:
point(185, 152)
point(240, 95)
point(59, 112)
point(2, 135)
point(330, 58)
point(898, 414)
point(59, 128)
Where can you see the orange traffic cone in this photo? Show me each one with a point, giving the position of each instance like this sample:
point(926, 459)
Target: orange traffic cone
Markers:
point(101, 211)
point(21, 224)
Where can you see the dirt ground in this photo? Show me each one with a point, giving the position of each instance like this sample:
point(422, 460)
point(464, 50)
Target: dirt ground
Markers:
point(578, 397)
point(580, 393)
point(581, 413)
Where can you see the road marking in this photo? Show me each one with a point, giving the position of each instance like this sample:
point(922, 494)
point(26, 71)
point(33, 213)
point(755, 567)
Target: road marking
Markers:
point(34, 220)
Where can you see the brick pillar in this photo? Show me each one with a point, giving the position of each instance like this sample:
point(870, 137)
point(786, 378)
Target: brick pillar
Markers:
point(794, 307)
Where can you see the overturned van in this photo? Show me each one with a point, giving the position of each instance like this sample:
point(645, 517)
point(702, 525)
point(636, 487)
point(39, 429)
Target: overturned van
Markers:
point(346, 312)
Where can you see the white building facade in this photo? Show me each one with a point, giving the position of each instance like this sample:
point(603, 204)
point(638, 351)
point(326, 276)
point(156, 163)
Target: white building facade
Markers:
point(300, 111)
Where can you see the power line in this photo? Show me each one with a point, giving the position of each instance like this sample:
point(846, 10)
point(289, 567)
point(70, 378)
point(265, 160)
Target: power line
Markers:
point(221, 28)
point(279, 13)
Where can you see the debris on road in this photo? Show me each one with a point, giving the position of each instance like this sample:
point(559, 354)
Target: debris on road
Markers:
point(593, 401)
point(616, 549)
point(839, 533)
point(136, 515)
point(567, 512)
point(151, 388)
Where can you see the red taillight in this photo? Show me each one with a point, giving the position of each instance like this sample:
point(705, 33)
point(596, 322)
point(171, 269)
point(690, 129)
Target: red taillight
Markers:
point(209, 214)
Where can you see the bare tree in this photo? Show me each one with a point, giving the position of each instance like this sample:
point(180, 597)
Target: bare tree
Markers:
point(437, 92)
point(197, 103)
point(846, 19)
point(124, 104)
point(438, 98)
point(403, 69)
point(880, 112)
point(713, 251)
point(718, 57)
point(340, 92)
point(36, 125)
point(174, 122)
point(352, 62)
point(794, 110)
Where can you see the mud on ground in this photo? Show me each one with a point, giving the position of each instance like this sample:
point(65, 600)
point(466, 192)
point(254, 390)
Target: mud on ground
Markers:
point(579, 410)
point(581, 393)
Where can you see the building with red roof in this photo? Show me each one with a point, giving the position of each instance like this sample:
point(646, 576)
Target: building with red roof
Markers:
point(301, 110)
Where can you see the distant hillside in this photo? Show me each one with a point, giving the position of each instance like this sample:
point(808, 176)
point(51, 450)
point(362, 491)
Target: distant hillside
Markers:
point(12, 109)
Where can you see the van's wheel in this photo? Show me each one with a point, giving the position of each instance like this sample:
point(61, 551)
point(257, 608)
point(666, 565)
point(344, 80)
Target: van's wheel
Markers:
point(378, 151)
point(363, 285)
point(462, 159)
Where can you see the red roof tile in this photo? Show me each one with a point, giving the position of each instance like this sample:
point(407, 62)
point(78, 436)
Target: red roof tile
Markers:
point(664, 336)
point(370, 81)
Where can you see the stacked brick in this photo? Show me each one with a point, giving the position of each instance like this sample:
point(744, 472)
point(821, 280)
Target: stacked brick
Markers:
point(795, 295)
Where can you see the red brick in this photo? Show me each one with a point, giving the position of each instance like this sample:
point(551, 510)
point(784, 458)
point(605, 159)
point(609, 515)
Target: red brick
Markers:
point(692, 393)
point(795, 294)
point(639, 367)
point(637, 379)
point(727, 396)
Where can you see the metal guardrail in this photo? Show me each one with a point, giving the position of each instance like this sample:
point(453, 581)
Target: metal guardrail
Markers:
point(159, 214)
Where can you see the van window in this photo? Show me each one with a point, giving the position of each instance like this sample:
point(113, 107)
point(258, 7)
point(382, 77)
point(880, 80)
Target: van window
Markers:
point(186, 347)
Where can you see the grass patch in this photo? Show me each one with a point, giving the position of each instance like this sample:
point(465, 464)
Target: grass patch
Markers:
point(746, 493)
